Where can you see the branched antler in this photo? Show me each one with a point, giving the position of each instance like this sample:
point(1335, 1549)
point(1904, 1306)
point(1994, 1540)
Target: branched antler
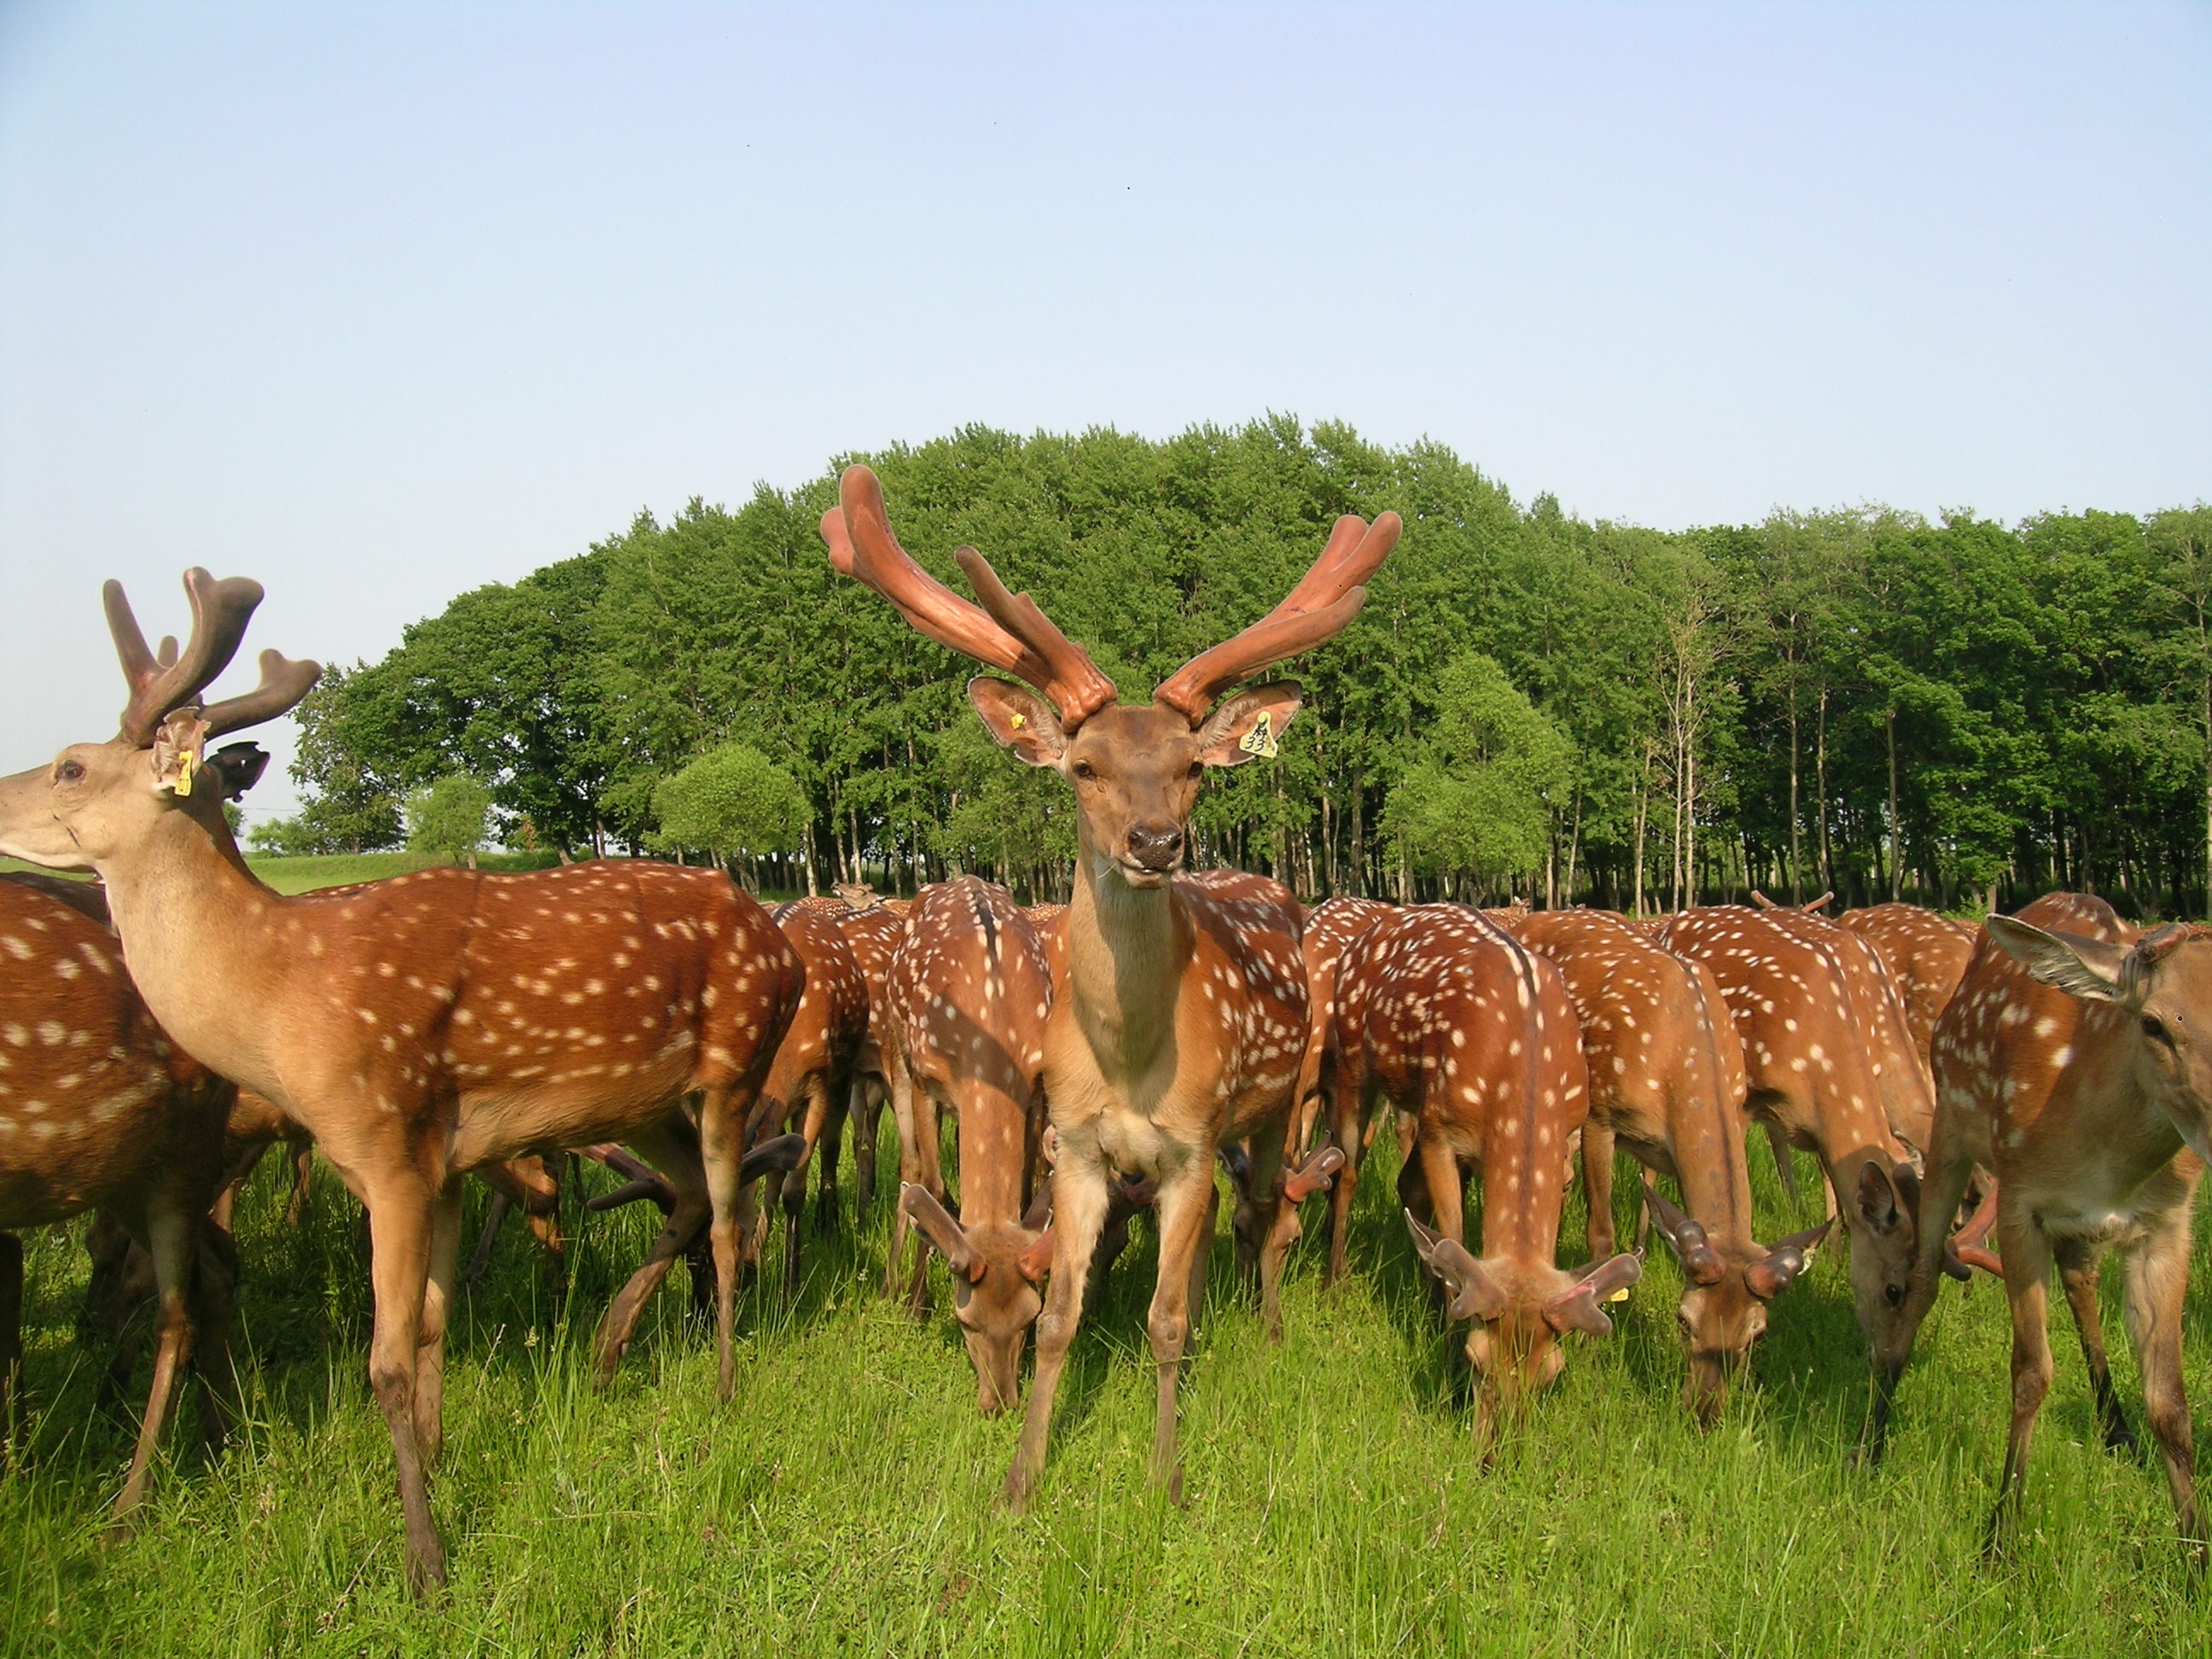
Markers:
point(1007, 631)
point(164, 681)
point(1318, 609)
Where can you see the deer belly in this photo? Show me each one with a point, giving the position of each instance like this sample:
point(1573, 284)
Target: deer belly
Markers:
point(504, 1124)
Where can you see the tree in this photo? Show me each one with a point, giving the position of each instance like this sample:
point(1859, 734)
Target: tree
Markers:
point(1477, 798)
point(450, 818)
point(734, 802)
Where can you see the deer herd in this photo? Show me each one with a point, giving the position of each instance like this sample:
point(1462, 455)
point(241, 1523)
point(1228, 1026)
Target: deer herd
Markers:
point(2044, 1080)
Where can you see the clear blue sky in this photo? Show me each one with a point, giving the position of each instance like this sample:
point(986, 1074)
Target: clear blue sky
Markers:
point(380, 302)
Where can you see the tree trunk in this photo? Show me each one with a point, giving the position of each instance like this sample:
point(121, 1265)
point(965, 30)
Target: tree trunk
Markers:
point(1896, 829)
point(1796, 862)
point(1821, 788)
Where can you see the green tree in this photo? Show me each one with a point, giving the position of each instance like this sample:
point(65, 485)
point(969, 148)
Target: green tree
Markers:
point(449, 818)
point(1476, 801)
point(734, 802)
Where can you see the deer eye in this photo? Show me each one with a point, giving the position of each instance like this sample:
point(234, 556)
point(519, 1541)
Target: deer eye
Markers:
point(2155, 1031)
point(1197, 768)
point(71, 771)
point(1893, 1294)
point(1085, 770)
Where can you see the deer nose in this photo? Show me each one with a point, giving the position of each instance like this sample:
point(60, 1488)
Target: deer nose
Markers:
point(1156, 846)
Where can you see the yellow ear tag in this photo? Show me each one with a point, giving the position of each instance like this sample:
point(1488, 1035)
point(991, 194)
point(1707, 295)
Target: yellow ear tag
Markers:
point(184, 763)
point(1260, 739)
point(1017, 719)
point(1621, 1295)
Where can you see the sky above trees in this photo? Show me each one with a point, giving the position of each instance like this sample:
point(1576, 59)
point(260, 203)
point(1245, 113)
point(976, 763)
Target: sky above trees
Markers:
point(380, 304)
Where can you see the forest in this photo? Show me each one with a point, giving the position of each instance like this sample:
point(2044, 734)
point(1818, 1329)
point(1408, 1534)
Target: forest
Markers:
point(1857, 699)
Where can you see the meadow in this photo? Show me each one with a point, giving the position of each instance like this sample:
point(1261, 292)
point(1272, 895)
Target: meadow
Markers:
point(844, 1501)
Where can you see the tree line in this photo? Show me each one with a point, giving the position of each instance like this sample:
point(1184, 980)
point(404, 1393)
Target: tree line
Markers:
point(1857, 700)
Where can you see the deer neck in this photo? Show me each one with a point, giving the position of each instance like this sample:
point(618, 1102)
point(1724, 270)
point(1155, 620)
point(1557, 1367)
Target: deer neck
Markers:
point(1127, 951)
point(194, 925)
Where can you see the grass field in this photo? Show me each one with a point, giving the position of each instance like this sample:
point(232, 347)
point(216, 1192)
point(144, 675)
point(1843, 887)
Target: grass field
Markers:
point(844, 1502)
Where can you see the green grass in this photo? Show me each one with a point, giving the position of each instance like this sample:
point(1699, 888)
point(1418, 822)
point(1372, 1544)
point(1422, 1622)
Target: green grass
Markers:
point(844, 1502)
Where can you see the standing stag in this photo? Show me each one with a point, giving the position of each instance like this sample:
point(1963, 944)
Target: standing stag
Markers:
point(2075, 1062)
point(1445, 1015)
point(971, 989)
point(423, 1026)
point(1667, 1081)
point(1180, 1019)
point(100, 1110)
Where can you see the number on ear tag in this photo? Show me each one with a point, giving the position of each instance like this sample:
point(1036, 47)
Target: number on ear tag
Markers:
point(1260, 739)
point(184, 763)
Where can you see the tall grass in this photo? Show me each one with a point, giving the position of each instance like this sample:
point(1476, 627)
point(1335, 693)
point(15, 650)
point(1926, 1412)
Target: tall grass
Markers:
point(844, 1502)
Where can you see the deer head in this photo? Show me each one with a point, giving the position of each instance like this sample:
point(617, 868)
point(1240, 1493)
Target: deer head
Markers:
point(2164, 981)
point(995, 1273)
point(97, 798)
point(1135, 770)
point(1724, 1296)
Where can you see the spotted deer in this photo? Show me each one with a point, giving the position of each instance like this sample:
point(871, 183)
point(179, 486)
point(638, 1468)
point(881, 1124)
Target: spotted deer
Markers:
point(100, 1110)
point(1442, 1013)
point(1894, 1058)
point(971, 989)
point(1333, 925)
point(872, 931)
point(1179, 1020)
point(1809, 1078)
point(806, 1085)
point(423, 1026)
point(1666, 1082)
point(2075, 1062)
point(1927, 955)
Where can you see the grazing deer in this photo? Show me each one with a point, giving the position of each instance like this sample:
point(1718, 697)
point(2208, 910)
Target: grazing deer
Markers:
point(1333, 925)
point(1809, 1079)
point(422, 1026)
point(2075, 1062)
point(1667, 1081)
point(1442, 1012)
point(1894, 1058)
point(1180, 1019)
point(1927, 955)
point(100, 1110)
point(813, 1069)
point(971, 989)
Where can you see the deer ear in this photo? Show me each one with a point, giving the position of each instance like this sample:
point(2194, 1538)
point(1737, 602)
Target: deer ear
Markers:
point(1023, 721)
point(179, 748)
point(1878, 1199)
point(238, 767)
point(1250, 724)
point(2087, 967)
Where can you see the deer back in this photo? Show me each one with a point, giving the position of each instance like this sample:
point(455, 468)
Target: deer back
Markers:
point(1927, 954)
point(1896, 1061)
point(97, 1105)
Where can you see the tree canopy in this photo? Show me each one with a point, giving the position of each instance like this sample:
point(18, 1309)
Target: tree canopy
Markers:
point(1857, 699)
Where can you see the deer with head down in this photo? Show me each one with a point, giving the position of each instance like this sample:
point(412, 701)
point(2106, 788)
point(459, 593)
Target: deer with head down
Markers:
point(1180, 1019)
point(1444, 1014)
point(1667, 1081)
point(872, 930)
point(100, 1109)
point(422, 1026)
point(2075, 1062)
point(971, 989)
point(1809, 1078)
point(1332, 927)
point(1927, 957)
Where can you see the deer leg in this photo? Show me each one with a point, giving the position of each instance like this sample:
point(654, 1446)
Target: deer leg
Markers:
point(214, 1286)
point(171, 1239)
point(1276, 1225)
point(1078, 1205)
point(400, 1227)
point(865, 1109)
point(910, 1162)
point(495, 1218)
point(1347, 1106)
point(675, 1153)
point(2027, 1267)
point(2157, 1282)
point(437, 1307)
point(722, 1149)
point(830, 1139)
point(929, 1171)
point(1186, 1202)
point(303, 1182)
point(11, 1341)
point(1597, 1187)
point(793, 1191)
point(2077, 1275)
